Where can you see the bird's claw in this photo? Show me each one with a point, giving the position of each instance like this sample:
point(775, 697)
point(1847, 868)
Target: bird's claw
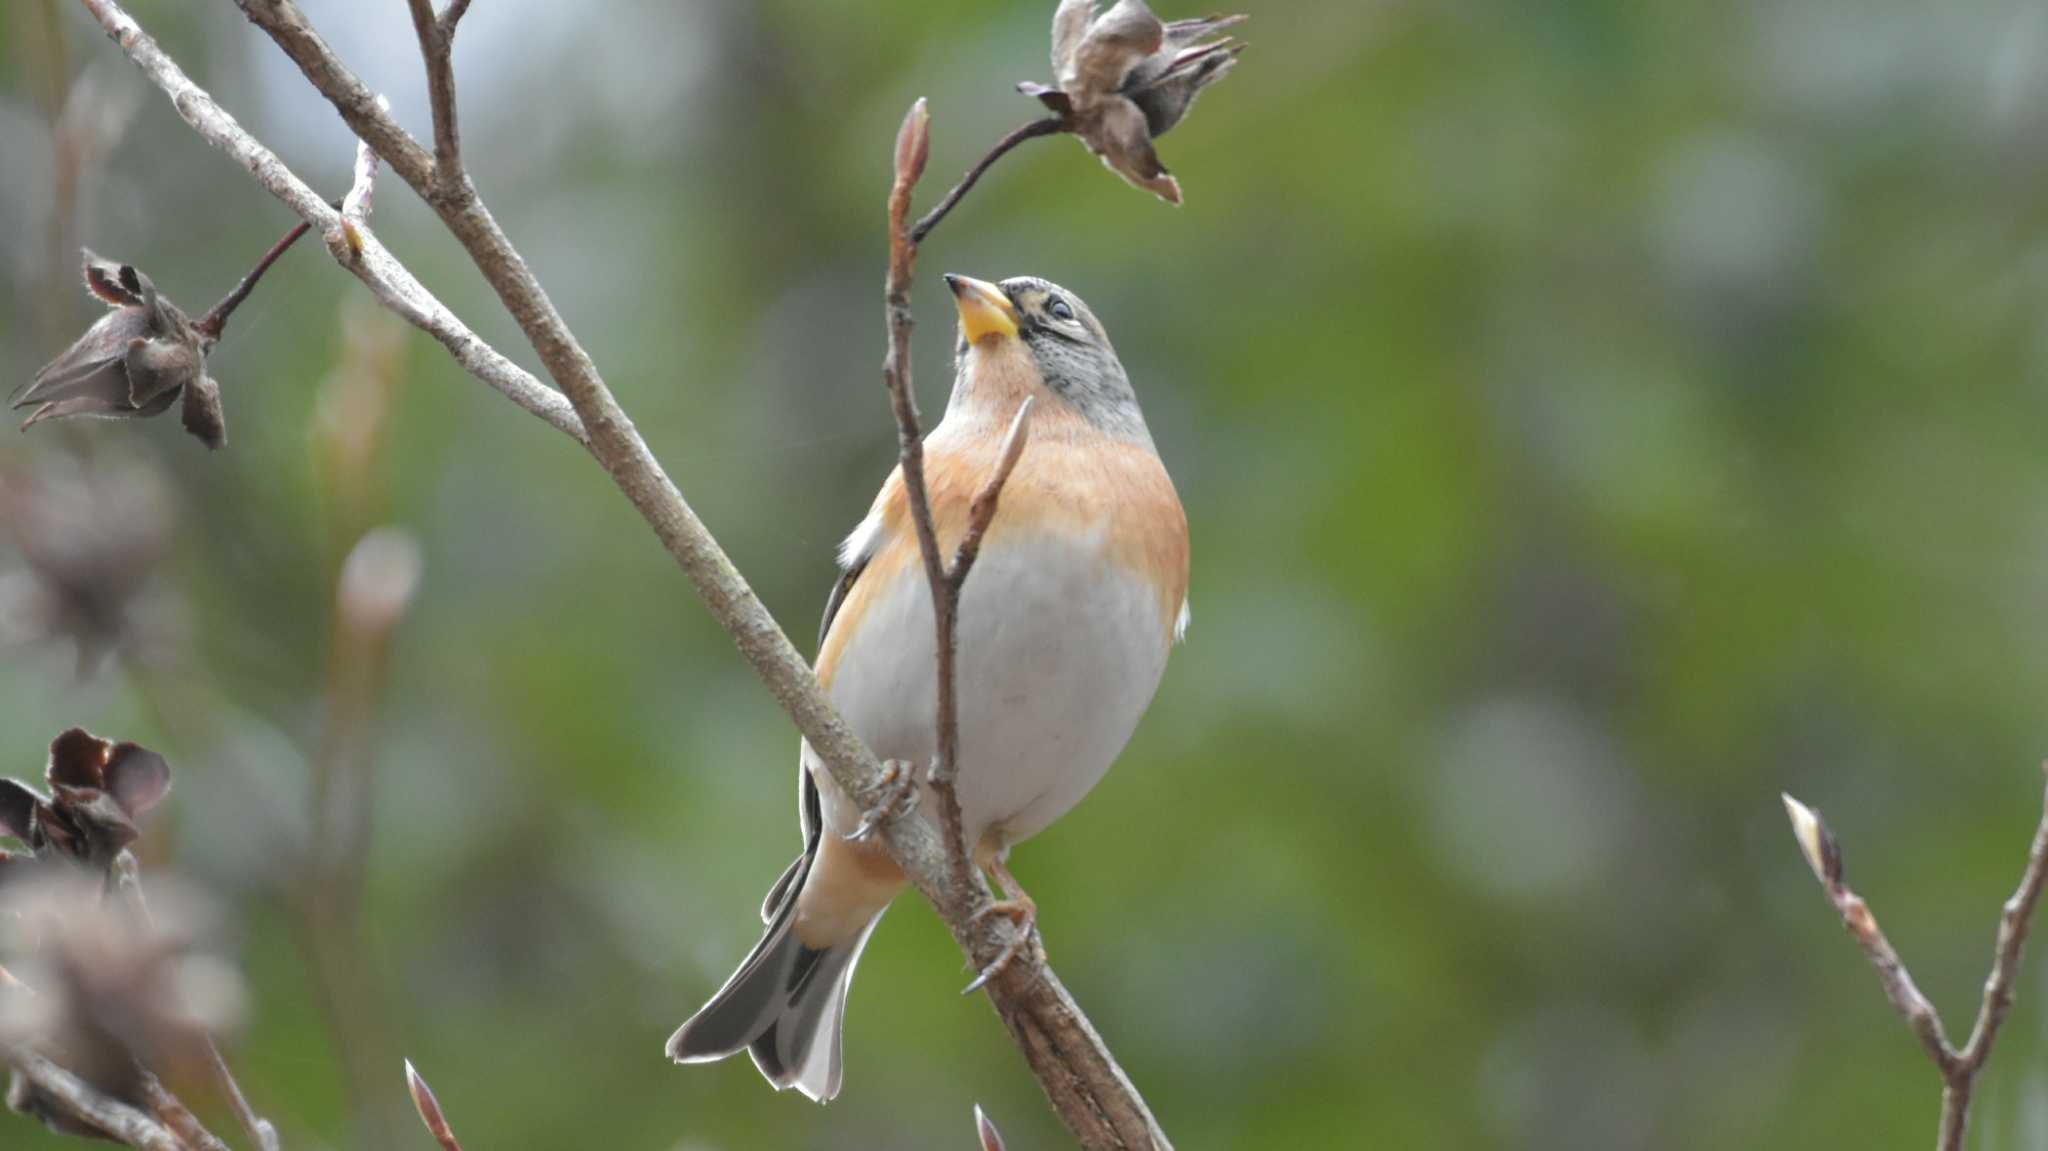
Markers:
point(1019, 910)
point(895, 797)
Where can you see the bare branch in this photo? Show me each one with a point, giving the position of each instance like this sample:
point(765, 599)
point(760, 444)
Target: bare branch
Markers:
point(1080, 1076)
point(68, 1103)
point(81, 1102)
point(2014, 921)
point(982, 511)
point(178, 1117)
point(1959, 1068)
point(913, 149)
point(437, 44)
point(388, 279)
point(215, 321)
point(355, 207)
point(1824, 855)
point(1047, 126)
point(128, 881)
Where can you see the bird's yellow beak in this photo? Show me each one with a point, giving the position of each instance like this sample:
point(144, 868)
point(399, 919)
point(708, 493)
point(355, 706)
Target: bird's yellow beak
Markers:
point(984, 309)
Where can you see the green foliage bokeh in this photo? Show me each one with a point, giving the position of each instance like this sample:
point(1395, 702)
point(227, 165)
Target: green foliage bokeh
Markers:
point(1593, 418)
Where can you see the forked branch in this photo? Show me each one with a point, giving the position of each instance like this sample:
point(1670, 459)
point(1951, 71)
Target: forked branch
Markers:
point(1959, 1068)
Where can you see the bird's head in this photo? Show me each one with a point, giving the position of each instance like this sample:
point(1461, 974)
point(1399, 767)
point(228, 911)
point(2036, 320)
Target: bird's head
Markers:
point(1026, 334)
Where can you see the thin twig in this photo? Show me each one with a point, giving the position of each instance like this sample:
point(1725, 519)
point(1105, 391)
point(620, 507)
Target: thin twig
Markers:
point(2013, 922)
point(214, 322)
point(1824, 856)
point(258, 1128)
point(1046, 126)
point(1959, 1068)
point(128, 881)
point(178, 1117)
point(71, 1104)
point(362, 190)
point(982, 511)
point(437, 43)
point(913, 149)
point(1080, 1076)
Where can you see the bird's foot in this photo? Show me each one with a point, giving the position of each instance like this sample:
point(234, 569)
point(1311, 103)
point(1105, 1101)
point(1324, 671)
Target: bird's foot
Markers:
point(1019, 908)
point(895, 796)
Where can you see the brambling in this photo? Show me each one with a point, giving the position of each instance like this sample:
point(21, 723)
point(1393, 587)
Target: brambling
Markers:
point(1063, 632)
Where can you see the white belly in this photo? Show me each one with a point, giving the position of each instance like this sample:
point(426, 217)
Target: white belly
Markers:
point(1060, 651)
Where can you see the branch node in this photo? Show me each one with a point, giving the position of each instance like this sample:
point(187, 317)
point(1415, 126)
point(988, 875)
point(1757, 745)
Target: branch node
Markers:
point(1958, 1068)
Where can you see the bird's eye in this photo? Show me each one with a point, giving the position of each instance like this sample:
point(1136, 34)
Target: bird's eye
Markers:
point(1059, 310)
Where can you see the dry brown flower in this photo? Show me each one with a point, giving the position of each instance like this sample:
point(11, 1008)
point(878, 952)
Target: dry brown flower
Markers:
point(99, 790)
point(1123, 79)
point(134, 362)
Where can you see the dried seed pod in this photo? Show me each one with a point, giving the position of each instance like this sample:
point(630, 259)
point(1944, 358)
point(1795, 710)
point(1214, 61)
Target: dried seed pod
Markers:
point(134, 362)
point(1124, 79)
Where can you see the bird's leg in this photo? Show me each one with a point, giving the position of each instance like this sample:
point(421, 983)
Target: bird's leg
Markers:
point(894, 796)
point(1016, 906)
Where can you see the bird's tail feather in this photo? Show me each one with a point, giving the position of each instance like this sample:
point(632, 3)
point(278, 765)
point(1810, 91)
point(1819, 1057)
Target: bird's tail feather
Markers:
point(784, 1005)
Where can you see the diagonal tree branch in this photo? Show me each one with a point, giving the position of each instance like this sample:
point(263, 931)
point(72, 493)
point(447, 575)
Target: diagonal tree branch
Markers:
point(1959, 1068)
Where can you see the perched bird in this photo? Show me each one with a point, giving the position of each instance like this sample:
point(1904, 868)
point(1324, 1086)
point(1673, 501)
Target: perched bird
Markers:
point(1063, 631)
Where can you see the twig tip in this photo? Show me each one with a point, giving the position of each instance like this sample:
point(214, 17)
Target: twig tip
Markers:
point(991, 1139)
point(1822, 853)
point(429, 1108)
point(914, 143)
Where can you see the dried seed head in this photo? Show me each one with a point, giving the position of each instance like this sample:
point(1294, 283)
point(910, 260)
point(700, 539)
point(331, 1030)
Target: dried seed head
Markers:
point(143, 355)
point(132, 363)
point(1124, 79)
point(202, 413)
point(99, 793)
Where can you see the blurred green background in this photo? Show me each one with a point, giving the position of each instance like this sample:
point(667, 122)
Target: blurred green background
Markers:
point(1593, 418)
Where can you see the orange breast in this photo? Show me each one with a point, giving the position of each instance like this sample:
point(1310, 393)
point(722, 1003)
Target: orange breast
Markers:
point(1071, 478)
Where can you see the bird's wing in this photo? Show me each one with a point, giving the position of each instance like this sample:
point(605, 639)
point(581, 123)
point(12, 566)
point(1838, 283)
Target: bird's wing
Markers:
point(810, 811)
